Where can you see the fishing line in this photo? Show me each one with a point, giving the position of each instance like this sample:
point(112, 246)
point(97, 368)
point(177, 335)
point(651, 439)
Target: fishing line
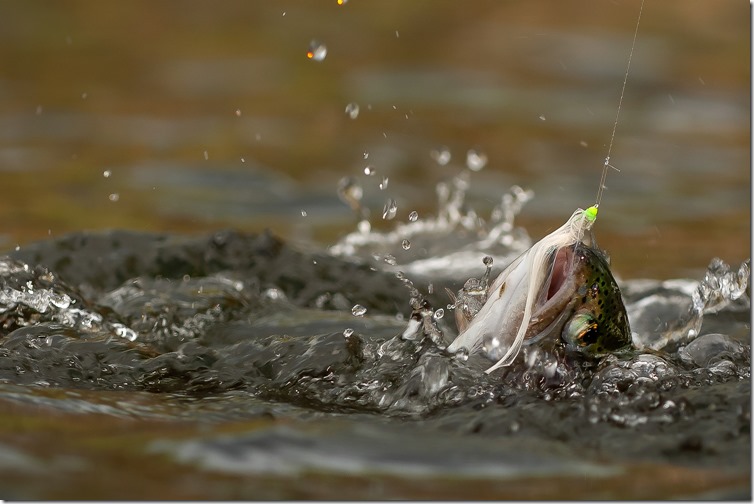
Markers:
point(615, 125)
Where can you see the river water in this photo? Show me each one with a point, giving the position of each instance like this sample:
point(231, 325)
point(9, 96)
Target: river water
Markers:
point(198, 356)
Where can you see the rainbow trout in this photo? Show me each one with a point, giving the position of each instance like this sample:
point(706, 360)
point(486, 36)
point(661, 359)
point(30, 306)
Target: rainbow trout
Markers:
point(560, 288)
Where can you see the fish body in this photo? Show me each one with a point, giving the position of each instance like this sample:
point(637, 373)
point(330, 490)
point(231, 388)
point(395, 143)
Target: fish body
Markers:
point(561, 287)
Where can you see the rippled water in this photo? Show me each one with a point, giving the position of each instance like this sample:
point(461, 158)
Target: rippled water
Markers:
point(175, 360)
point(327, 359)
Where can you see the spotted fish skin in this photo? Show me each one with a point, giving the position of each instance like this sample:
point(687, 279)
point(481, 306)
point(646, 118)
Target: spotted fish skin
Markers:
point(599, 323)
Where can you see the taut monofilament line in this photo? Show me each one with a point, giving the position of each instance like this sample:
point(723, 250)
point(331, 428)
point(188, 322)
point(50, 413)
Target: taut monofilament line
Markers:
point(617, 115)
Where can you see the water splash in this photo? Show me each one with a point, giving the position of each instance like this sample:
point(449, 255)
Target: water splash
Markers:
point(451, 242)
point(660, 320)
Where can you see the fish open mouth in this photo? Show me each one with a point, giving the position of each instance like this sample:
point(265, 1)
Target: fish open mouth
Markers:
point(560, 268)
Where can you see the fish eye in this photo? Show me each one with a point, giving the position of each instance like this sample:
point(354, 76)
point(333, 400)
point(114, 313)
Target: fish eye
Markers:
point(581, 331)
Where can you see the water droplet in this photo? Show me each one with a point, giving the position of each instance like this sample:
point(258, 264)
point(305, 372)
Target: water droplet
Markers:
point(370, 171)
point(114, 197)
point(274, 294)
point(238, 112)
point(441, 155)
point(406, 244)
point(475, 160)
point(352, 109)
point(440, 313)
point(542, 118)
point(390, 209)
point(397, 35)
point(390, 259)
point(364, 226)
point(206, 155)
point(317, 51)
point(366, 155)
point(358, 310)
point(347, 332)
point(583, 143)
point(106, 173)
point(39, 110)
point(303, 213)
point(383, 184)
point(350, 192)
point(83, 96)
point(487, 260)
point(430, 288)
point(342, 2)
point(413, 216)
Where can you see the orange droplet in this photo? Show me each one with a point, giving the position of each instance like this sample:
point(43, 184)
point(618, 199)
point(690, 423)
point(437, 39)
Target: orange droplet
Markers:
point(310, 54)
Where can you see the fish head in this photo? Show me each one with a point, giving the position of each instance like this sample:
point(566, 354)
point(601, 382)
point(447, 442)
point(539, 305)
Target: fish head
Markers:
point(582, 301)
point(559, 292)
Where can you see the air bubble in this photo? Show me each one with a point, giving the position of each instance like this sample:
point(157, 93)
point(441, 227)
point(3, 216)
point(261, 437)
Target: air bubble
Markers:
point(390, 209)
point(352, 109)
point(358, 310)
point(317, 51)
point(413, 216)
point(441, 155)
point(475, 160)
point(406, 244)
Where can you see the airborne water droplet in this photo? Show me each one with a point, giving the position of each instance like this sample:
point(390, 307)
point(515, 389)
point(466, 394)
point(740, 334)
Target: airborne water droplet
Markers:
point(352, 109)
point(348, 332)
point(317, 51)
point(370, 171)
point(413, 216)
point(441, 155)
point(383, 184)
point(406, 244)
point(390, 259)
point(114, 197)
point(358, 310)
point(475, 160)
point(390, 209)
point(440, 313)
point(364, 226)
point(106, 173)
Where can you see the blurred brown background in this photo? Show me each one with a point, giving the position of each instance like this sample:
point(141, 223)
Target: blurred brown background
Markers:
point(207, 115)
